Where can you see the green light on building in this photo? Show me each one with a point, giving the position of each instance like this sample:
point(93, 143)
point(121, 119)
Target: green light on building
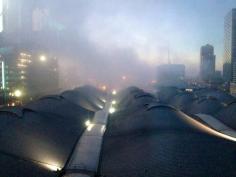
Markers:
point(3, 76)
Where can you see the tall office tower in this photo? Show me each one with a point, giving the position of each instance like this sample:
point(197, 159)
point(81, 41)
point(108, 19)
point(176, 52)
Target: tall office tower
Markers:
point(229, 67)
point(38, 75)
point(17, 18)
point(31, 75)
point(207, 64)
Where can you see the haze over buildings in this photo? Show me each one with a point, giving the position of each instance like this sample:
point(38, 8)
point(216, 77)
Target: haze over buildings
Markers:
point(101, 35)
point(131, 103)
point(207, 64)
point(171, 75)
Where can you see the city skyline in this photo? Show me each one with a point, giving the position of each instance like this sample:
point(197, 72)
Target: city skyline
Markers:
point(98, 37)
point(116, 88)
point(193, 14)
point(145, 33)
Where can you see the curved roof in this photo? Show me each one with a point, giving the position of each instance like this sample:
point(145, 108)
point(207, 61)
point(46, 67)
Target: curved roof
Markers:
point(42, 139)
point(220, 95)
point(82, 100)
point(127, 123)
point(58, 105)
point(183, 101)
point(87, 97)
point(165, 94)
point(91, 93)
point(144, 138)
point(128, 96)
point(39, 138)
point(13, 166)
point(206, 101)
point(161, 143)
point(206, 106)
point(227, 115)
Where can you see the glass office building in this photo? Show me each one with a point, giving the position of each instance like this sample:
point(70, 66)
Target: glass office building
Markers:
point(229, 68)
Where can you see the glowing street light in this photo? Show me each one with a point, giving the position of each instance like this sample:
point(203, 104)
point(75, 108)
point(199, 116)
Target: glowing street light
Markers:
point(153, 81)
point(114, 92)
point(113, 102)
point(18, 93)
point(104, 88)
point(112, 110)
point(87, 123)
point(90, 127)
point(42, 58)
point(124, 78)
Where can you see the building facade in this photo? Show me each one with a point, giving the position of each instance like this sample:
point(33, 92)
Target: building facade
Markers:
point(17, 17)
point(26, 75)
point(30, 66)
point(229, 67)
point(230, 44)
point(207, 63)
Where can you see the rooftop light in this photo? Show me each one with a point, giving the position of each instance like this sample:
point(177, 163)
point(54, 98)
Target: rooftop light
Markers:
point(112, 110)
point(52, 167)
point(87, 123)
point(114, 92)
point(90, 127)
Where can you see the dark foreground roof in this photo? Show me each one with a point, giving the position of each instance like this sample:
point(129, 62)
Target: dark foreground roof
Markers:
point(214, 102)
point(228, 115)
point(39, 138)
point(159, 141)
point(144, 138)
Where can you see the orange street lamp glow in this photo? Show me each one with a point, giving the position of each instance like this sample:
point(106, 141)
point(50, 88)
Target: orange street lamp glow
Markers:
point(104, 88)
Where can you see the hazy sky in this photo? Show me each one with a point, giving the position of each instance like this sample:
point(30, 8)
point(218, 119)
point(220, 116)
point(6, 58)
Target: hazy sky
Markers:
point(133, 36)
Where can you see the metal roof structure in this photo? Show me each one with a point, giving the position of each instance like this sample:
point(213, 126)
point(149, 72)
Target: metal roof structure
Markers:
point(216, 103)
point(59, 106)
point(87, 97)
point(223, 97)
point(38, 138)
point(165, 94)
point(62, 136)
point(227, 115)
point(183, 101)
point(206, 106)
point(205, 101)
point(162, 141)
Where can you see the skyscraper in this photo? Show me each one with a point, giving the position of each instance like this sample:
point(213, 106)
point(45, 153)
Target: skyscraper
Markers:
point(207, 64)
point(31, 74)
point(229, 67)
point(13, 16)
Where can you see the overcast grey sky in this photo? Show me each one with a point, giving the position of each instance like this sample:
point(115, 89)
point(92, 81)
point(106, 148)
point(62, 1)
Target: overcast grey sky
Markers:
point(131, 37)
